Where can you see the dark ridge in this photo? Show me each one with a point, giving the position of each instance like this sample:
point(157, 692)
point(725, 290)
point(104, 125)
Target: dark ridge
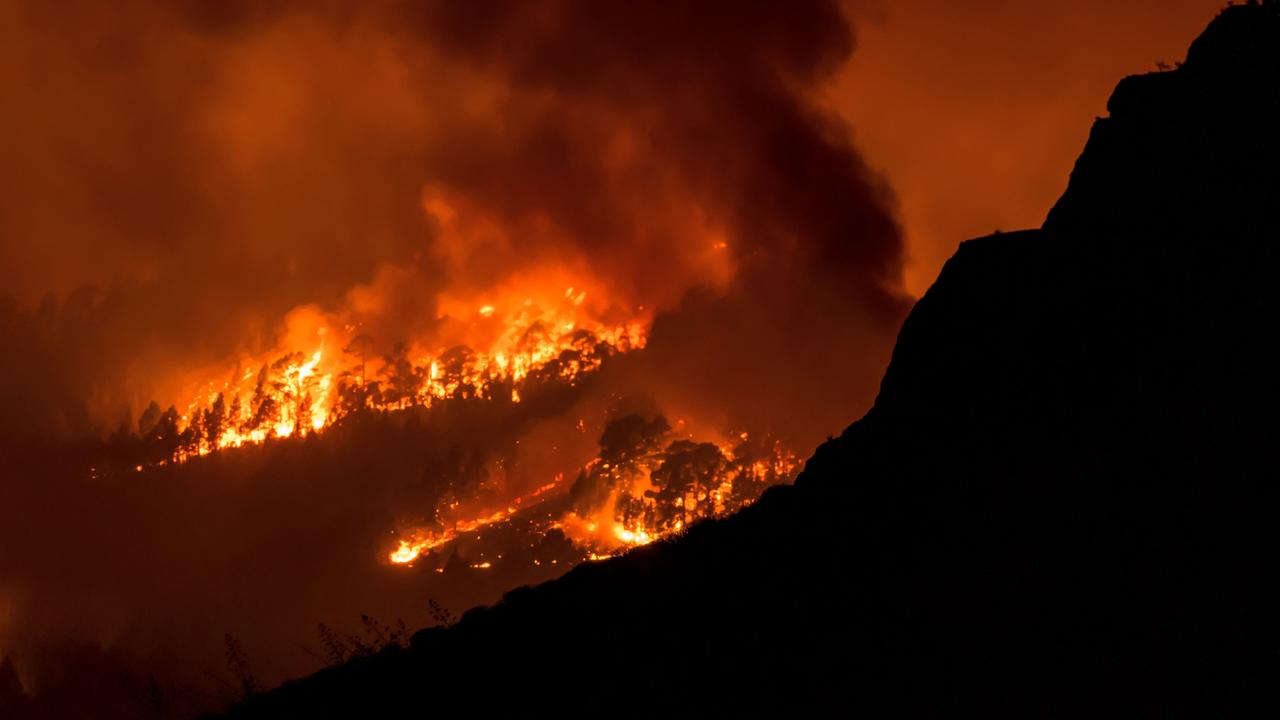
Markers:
point(1062, 499)
point(1174, 155)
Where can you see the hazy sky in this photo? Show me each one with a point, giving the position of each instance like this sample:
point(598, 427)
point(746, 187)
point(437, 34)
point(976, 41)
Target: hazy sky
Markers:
point(977, 110)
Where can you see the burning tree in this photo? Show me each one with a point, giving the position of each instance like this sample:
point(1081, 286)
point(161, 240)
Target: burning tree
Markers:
point(685, 485)
point(628, 444)
point(647, 484)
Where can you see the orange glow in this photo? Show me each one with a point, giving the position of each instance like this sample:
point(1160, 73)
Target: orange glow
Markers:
point(977, 115)
point(661, 493)
point(419, 541)
point(486, 352)
point(632, 516)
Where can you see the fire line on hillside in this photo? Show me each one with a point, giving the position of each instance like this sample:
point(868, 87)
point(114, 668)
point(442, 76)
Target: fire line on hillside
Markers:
point(649, 480)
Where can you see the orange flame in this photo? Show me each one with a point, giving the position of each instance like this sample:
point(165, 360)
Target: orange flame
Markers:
point(420, 541)
point(299, 392)
point(630, 517)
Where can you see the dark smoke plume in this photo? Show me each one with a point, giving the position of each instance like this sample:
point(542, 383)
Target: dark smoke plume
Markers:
point(197, 171)
point(180, 177)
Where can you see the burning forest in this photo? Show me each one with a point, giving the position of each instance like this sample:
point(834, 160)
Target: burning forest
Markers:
point(314, 313)
point(297, 393)
point(648, 482)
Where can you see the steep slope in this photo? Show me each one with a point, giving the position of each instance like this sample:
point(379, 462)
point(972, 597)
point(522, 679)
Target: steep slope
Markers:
point(1062, 496)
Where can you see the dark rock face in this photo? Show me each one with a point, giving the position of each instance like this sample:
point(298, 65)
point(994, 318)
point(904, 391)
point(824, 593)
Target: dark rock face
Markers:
point(1063, 498)
point(1186, 151)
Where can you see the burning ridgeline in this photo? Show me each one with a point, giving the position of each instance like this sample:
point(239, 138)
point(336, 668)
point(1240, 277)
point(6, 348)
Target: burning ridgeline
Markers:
point(649, 480)
point(296, 393)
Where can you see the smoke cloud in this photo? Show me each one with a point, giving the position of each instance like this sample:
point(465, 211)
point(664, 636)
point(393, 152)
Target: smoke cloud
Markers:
point(186, 183)
point(180, 177)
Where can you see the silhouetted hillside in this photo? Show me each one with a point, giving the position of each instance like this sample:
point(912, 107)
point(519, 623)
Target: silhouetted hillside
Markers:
point(1063, 496)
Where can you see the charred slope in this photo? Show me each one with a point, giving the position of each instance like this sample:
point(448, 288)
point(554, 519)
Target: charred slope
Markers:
point(1063, 494)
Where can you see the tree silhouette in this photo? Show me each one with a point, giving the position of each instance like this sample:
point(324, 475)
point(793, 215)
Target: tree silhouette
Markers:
point(685, 481)
point(403, 379)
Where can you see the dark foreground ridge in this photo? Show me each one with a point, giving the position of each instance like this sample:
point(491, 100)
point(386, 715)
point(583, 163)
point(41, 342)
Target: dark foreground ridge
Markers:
point(1063, 497)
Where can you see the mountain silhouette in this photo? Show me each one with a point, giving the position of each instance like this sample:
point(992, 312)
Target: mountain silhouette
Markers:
point(1062, 499)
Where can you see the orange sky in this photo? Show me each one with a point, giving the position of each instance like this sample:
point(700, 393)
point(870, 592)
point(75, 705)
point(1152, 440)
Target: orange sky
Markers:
point(976, 110)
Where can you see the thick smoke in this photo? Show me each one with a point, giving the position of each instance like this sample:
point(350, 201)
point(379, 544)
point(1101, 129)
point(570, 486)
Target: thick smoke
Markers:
point(713, 111)
point(180, 177)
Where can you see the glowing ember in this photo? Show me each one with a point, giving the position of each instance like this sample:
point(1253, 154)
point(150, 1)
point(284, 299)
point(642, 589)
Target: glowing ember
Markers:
point(648, 485)
point(631, 537)
point(420, 541)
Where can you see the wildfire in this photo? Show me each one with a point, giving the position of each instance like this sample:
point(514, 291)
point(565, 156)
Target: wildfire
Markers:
point(649, 481)
point(653, 487)
point(514, 343)
point(648, 486)
point(420, 541)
